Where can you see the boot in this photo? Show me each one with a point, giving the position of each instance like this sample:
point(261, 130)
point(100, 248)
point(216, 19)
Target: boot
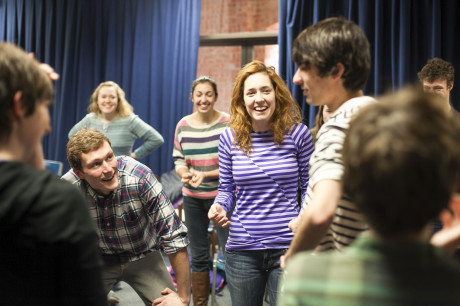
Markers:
point(200, 288)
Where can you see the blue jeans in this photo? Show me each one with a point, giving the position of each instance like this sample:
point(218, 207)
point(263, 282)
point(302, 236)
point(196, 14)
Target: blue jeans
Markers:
point(197, 222)
point(249, 272)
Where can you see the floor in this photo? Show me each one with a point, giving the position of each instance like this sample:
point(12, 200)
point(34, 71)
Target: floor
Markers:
point(128, 297)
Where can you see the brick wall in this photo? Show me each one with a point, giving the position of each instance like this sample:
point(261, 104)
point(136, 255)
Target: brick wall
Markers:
point(229, 16)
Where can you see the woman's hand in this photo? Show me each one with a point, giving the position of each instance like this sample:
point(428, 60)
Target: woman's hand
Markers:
point(448, 238)
point(218, 215)
point(293, 224)
point(186, 178)
point(197, 179)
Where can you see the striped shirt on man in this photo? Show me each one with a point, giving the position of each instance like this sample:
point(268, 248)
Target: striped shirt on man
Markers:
point(326, 163)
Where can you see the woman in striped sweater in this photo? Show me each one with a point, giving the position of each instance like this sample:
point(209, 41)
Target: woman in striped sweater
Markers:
point(196, 162)
point(264, 156)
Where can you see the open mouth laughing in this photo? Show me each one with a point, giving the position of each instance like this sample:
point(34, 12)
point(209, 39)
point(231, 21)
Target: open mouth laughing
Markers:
point(109, 179)
point(260, 108)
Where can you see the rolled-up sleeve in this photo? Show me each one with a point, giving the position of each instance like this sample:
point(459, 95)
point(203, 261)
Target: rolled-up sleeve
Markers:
point(171, 232)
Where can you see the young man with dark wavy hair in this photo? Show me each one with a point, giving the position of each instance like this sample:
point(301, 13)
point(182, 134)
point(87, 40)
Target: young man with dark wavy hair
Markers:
point(401, 175)
point(334, 62)
point(437, 77)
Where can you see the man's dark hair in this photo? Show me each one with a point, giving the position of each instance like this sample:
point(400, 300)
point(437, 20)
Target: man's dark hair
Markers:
point(436, 69)
point(401, 161)
point(331, 41)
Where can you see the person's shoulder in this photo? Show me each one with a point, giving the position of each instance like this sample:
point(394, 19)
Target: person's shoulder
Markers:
point(455, 112)
point(20, 175)
point(28, 173)
point(357, 103)
point(66, 207)
point(129, 118)
point(342, 116)
point(39, 191)
point(224, 117)
point(298, 128)
point(91, 120)
point(299, 132)
point(70, 177)
point(308, 264)
point(45, 186)
point(62, 187)
point(229, 132)
point(128, 166)
point(221, 122)
point(92, 116)
point(184, 121)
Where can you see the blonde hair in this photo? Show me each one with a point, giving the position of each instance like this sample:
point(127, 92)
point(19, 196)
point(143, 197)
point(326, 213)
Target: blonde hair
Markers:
point(319, 121)
point(124, 109)
point(287, 112)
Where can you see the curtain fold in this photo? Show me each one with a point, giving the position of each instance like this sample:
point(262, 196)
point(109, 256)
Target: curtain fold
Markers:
point(149, 47)
point(403, 35)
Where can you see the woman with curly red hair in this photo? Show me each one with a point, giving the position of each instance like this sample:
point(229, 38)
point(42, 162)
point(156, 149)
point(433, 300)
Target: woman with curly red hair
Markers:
point(263, 163)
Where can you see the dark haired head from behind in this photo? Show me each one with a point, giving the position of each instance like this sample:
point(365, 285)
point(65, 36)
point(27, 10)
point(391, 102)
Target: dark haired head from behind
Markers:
point(401, 162)
point(19, 72)
point(331, 41)
point(50, 253)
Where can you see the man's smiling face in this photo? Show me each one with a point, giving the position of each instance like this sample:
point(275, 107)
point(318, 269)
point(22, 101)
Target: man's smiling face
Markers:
point(100, 169)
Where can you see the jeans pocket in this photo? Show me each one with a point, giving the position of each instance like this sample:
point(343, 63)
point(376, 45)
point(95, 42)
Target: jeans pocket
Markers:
point(231, 252)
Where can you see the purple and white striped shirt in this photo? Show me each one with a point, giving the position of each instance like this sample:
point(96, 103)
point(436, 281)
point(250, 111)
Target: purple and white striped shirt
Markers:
point(265, 185)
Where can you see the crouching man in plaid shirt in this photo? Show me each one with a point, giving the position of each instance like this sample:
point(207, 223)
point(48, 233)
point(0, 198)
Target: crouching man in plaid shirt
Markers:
point(134, 218)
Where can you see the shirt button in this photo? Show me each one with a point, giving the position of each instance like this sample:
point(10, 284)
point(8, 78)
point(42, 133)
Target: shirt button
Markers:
point(108, 224)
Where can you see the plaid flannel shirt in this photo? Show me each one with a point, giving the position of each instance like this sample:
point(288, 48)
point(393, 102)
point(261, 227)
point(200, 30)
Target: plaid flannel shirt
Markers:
point(137, 217)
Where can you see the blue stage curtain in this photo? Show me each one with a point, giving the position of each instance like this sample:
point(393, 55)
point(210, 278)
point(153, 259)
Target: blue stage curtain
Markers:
point(149, 47)
point(403, 35)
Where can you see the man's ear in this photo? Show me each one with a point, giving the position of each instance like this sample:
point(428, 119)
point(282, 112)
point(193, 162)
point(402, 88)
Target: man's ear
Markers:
point(454, 205)
point(338, 71)
point(79, 174)
point(18, 107)
point(451, 86)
